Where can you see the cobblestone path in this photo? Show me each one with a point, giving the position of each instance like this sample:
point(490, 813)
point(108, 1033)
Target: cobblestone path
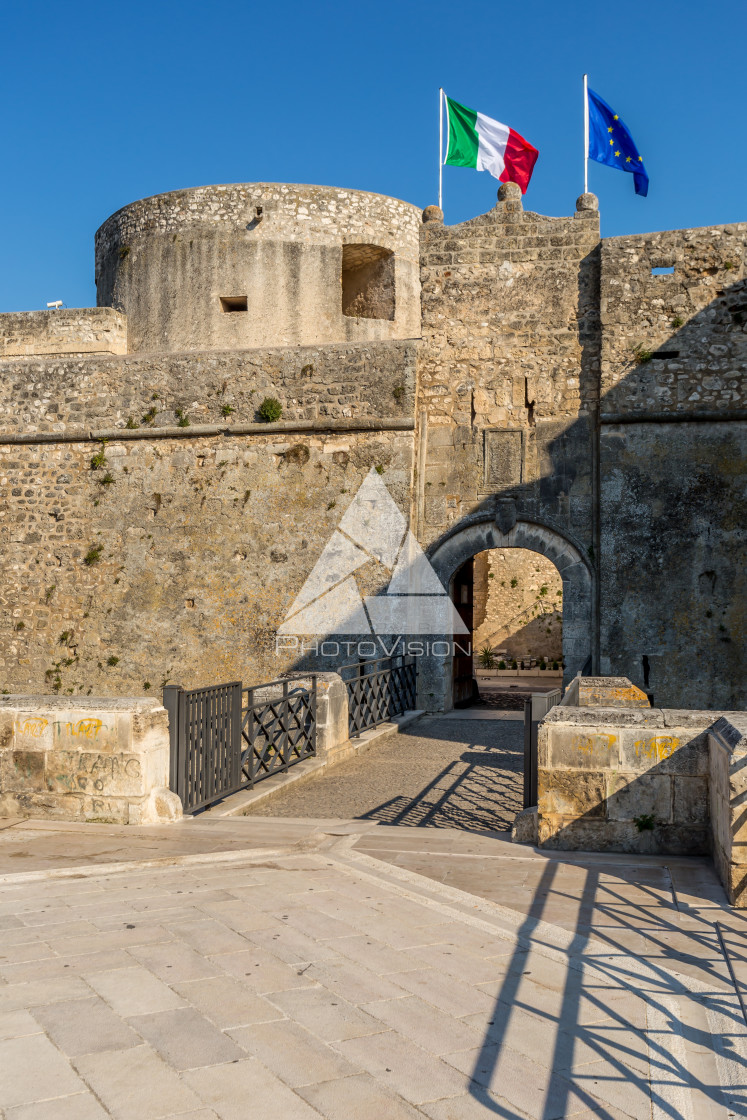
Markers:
point(446, 773)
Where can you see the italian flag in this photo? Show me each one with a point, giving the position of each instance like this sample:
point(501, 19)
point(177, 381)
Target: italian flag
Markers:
point(487, 145)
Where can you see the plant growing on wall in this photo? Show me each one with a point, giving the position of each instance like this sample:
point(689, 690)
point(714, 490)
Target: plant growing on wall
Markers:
point(270, 410)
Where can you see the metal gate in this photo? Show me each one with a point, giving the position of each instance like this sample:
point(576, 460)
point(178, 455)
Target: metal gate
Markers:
point(226, 738)
point(378, 690)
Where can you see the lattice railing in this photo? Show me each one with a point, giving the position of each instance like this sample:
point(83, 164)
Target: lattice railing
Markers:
point(278, 728)
point(378, 690)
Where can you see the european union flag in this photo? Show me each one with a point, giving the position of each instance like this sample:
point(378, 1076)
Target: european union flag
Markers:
point(610, 142)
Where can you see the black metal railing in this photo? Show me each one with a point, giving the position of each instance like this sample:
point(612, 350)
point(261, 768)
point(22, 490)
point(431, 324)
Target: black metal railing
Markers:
point(226, 738)
point(378, 690)
point(278, 728)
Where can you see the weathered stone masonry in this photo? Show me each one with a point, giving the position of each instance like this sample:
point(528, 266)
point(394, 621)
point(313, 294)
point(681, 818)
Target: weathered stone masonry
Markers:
point(534, 385)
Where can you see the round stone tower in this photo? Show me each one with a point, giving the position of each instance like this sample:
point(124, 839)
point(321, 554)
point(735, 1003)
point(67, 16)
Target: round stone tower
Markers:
point(261, 264)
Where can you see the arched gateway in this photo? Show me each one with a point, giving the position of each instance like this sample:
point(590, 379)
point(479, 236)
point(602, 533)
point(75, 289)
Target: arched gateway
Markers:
point(435, 672)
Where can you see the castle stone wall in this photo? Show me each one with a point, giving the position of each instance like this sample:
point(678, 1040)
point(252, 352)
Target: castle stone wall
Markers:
point(182, 567)
point(673, 549)
point(310, 382)
point(168, 260)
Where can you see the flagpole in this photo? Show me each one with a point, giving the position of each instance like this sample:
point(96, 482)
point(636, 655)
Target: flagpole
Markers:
point(441, 149)
point(586, 134)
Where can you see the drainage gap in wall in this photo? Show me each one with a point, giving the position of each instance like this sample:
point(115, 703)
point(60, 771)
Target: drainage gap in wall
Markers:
point(234, 303)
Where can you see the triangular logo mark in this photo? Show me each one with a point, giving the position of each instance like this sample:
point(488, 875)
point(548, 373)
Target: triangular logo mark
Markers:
point(340, 611)
point(374, 521)
point(373, 528)
point(340, 559)
point(413, 575)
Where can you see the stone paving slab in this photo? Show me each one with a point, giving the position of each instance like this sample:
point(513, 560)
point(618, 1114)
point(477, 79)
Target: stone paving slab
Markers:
point(399, 996)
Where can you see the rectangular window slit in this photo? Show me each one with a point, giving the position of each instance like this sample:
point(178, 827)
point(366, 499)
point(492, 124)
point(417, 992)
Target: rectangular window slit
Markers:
point(233, 303)
point(666, 354)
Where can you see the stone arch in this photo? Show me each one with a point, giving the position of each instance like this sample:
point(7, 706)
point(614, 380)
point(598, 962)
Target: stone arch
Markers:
point(434, 688)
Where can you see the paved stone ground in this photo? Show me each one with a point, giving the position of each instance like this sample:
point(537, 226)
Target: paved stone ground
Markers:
point(445, 773)
point(328, 983)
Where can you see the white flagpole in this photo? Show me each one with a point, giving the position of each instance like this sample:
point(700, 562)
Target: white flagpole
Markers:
point(586, 134)
point(441, 96)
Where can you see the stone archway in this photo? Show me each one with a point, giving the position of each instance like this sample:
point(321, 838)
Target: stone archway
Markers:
point(434, 677)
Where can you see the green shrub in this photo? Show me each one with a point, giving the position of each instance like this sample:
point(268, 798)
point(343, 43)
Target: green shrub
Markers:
point(93, 555)
point(555, 665)
point(501, 664)
point(543, 665)
point(644, 823)
point(514, 665)
point(270, 410)
point(486, 657)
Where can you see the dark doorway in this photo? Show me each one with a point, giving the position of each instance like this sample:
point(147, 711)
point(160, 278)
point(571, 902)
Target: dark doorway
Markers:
point(464, 684)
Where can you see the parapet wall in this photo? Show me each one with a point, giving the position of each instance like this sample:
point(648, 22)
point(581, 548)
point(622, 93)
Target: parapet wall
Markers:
point(326, 382)
point(647, 781)
point(261, 264)
point(85, 760)
point(75, 331)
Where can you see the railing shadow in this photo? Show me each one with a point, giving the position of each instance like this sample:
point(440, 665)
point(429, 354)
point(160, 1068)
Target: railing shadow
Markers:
point(650, 1059)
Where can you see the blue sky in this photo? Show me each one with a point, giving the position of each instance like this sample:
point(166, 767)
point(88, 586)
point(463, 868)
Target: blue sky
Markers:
point(107, 103)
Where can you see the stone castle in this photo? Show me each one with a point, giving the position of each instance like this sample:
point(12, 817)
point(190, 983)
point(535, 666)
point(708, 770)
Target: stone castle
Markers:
point(516, 381)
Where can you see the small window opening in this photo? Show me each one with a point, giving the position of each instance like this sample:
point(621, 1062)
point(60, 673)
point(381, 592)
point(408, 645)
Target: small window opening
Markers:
point(367, 282)
point(666, 353)
point(663, 270)
point(233, 303)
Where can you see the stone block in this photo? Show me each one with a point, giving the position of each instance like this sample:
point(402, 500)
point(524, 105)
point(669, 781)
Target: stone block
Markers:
point(22, 770)
point(31, 731)
point(631, 795)
point(583, 749)
point(524, 828)
point(642, 748)
point(690, 800)
point(572, 793)
point(110, 775)
point(76, 731)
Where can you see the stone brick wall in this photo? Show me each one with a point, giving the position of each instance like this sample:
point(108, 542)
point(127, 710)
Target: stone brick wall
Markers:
point(518, 604)
point(324, 382)
point(673, 546)
point(507, 372)
point(182, 565)
point(85, 760)
point(79, 330)
point(694, 317)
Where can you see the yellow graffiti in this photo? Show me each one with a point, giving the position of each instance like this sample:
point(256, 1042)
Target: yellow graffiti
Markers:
point(89, 728)
point(657, 748)
point(589, 744)
point(33, 727)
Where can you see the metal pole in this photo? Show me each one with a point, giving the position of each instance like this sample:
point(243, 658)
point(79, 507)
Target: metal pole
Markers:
point(441, 96)
point(586, 134)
